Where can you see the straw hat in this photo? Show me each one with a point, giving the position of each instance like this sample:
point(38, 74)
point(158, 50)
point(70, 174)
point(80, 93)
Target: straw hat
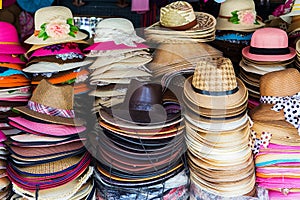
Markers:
point(269, 44)
point(53, 25)
point(56, 103)
point(279, 84)
point(215, 86)
point(294, 11)
point(238, 16)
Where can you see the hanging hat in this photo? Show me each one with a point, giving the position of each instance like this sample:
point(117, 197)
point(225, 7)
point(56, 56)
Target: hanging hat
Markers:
point(52, 104)
point(215, 86)
point(9, 40)
point(269, 44)
point(238, 16)
point(53, 25)
point(294, 11)
point(33, 6)
point(279, 92)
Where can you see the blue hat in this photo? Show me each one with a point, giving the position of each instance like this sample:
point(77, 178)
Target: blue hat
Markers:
point(34, 5)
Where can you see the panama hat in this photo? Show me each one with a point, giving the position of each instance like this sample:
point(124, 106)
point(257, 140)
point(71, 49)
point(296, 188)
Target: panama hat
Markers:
point(53, 25)
point(215, 86)
point(52, 103)
point(269, 44)
point(238, 16)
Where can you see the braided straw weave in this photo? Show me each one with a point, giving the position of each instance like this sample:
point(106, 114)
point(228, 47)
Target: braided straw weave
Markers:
point(215, 76)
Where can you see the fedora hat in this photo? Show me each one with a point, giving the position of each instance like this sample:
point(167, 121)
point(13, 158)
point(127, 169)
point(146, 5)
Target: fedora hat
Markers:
point(9, 40)
point(52, 104)
point(215, 86)
point(279, 92)
point(269, 44)
point(238, 16)
point(53, 25)
point(143, 104)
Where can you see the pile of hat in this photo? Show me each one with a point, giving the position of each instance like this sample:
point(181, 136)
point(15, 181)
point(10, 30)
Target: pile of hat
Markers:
point(297, 59)
point(179, 23)
point(141, 146)
point(275, 134)
point(267, 52)
point(56, 53)
point(48, 158)
point(217, 130)
point(119, 56)
point(236, 23)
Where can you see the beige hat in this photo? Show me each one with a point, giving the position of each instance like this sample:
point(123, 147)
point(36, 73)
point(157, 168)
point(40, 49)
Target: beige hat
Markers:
point(238, 16)
point(53, 25)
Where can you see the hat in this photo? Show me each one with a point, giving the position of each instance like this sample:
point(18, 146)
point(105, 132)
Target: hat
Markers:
point(238, 16)
point(118, 32)
point(53, 104)
point(34, 5)
point(269, 44)
point(279, 92)
point(9, 40)
point(178, 15)
point(53, 25)
point(11, 58)
point(294, 11)
point(143, 105)
point(215, 86)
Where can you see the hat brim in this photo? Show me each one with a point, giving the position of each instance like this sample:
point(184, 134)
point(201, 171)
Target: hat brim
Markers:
point(263, 112)
point(224, 24)
point(247, 54)
point(12, 49)
point(9, 58)
point(217, 102)
point(110, 45)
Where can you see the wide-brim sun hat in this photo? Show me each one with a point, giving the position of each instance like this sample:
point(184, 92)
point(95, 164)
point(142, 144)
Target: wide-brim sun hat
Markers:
point(54, 25)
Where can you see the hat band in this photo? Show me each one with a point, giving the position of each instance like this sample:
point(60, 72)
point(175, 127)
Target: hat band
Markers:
point(184, 27)
point(49, 110)
point(269, 51)
point(12, 43)
point(211, 93)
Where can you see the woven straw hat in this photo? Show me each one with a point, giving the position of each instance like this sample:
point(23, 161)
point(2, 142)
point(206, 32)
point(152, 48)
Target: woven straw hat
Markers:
point(244, 18)
point(215, 86)
point(178, 15)
point(57, 97)
point(276, 84)
point(53, 25)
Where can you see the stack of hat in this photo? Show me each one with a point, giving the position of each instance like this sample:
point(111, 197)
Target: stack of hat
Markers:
point(236, 23)
point(297, 59)
point(217, 130)
point(56, 53)
point(268, 51)
point(5, 184)
point(48, 159)
point(141, 146)
point(179, 23)
point(120, 56)
point(275, 133)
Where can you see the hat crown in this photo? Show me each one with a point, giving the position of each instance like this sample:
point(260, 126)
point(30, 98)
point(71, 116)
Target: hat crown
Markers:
point(8, 33)
point(121, 24)
point(269, 38)
point(214, 76)
point(176, 14)
point(280, 83)
point(60, 97)
point(232, 5)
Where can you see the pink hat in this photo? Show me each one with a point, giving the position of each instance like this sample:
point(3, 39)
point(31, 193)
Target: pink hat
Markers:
point(11, 58)
point(269, 44)
point(9, 40)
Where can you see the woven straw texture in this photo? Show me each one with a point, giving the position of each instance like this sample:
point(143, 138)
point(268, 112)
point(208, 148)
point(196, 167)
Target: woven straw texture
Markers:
point(215, 76)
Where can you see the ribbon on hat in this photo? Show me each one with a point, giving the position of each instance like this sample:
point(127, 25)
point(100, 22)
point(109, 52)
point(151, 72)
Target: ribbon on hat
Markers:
point(289, 104)
point(256, 143)
point(50, 111)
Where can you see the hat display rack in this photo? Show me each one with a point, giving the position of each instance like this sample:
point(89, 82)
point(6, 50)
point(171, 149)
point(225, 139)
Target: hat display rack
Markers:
point(191, 107)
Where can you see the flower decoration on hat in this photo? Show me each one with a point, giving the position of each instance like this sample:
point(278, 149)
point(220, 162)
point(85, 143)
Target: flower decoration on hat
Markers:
point(243, 17)
point(57, 28)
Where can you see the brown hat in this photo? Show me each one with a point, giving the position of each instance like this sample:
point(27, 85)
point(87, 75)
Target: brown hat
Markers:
point(279, 98)
point(53, 104)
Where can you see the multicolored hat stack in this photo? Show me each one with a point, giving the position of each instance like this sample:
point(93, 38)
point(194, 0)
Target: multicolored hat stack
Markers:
point(141, 146)
point(236, 22)
point(48, 158)
point(217, 131)
point(119, 56)
point(267, 52)
point(5, 184)
point(179, 23)
point(56, 53)
point(275, 133)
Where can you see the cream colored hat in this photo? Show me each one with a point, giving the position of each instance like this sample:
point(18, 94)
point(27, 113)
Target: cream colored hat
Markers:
point(238, 16)
point(53, 25)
